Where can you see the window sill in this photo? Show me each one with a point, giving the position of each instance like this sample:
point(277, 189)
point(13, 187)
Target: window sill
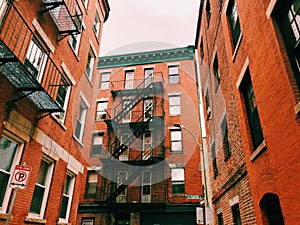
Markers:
point(79, 142)
point(297, 109)
point(176, 152)
point(35, 220)
point(237, 47)
point(179, 195)
point(260, 149)
point(3, 216)
point(59, 121)
point(62, 223)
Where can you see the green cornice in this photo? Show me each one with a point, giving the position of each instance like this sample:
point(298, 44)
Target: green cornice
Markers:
point(186, 53)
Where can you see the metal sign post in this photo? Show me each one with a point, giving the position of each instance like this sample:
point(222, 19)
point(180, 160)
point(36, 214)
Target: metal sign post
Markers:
point(18, 181)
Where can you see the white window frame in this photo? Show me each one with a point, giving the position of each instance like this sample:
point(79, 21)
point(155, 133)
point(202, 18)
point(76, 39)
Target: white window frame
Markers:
point(62, 115)
point(149, 77)
point(97, 140)
point(77, 37)
point(172, 132)
point(90, 64)
point(3, 8)
point(125, 155)
point(148, 105)
point(173, 74)
point(101, 107)
point(46, 190)
point(104, 84)
point(97, 24)
point(91, 195)
point(176, 177)
point(69, 195)
point(121, 198)
point(81, 117)
point(147, 142)
point(16, 160)
point(174, 109)
point(37, 58)
point(146, 198)
point(87, 221)
point(129, 79)
point(85, 3)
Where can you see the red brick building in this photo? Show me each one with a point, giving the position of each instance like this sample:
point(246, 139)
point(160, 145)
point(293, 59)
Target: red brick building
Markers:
point(149, 168)
point(48, 57)
point(249, 67)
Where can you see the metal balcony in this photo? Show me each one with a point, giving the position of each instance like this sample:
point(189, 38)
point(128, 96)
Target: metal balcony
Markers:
point(17, 64)
point(66, 15)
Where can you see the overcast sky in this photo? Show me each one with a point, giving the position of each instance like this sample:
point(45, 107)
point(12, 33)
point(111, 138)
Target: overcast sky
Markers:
point(143, 25)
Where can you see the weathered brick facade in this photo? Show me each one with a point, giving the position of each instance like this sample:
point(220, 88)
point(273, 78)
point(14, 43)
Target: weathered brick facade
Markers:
point(40, 75)
point(252, 50)
point(165, 207)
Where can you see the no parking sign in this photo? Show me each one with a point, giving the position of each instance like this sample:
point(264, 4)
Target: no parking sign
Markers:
point(20, 176)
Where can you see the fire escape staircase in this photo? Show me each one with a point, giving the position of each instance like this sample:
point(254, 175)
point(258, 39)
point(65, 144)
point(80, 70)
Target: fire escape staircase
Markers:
point(113, 190)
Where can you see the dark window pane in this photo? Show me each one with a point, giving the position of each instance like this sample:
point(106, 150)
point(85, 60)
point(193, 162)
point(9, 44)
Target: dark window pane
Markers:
point(3, 181)
point(64, 207)
point(37, 199)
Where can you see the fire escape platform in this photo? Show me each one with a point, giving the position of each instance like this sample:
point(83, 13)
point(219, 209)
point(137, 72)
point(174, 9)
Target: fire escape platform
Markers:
point(15, 71)
point(65, 14)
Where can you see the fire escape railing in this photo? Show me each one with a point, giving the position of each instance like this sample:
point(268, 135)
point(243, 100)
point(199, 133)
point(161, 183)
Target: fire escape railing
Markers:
point(16, 38)
point(66, 15)
point(136, 83)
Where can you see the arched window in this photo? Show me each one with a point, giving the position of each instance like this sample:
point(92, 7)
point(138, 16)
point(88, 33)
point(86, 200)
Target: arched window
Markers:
point(271, 209)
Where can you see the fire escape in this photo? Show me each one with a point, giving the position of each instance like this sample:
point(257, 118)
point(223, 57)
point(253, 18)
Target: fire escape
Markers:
point(27, 65)
point(66, 15)
point(134, 143)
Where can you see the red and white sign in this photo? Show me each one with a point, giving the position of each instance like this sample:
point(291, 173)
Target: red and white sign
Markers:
point(20, 176)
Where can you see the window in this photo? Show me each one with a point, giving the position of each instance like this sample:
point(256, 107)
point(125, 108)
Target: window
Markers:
point(97, 23)
point(10, 152)
point(208, 12)
point(41, 190)
point(216, 71)
point(214, 159)
point(177, 180)
point(122, 177)
point(148, 72)
point(288, 18)
point(251, 109)
point(101, 110)
point(176, 141)
point(87, 221)
point(234, 22)
point(220, 219)
point(147, 146)
point(124, 137)
point(62, 99)
point(272, 214)
point(127, 109)
point(74, 41)
point(104, 80)
point(174, 74)
point(236, 214)
point(35, 61)
point(80, 120)
point(174, 105)
point(207, 104)
point(97, 147)
point(148, 108)
point(67, 197)
point(129, 76)
point(226, 145)
point(91, 184)
point(90, 65)
point(146, 186)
